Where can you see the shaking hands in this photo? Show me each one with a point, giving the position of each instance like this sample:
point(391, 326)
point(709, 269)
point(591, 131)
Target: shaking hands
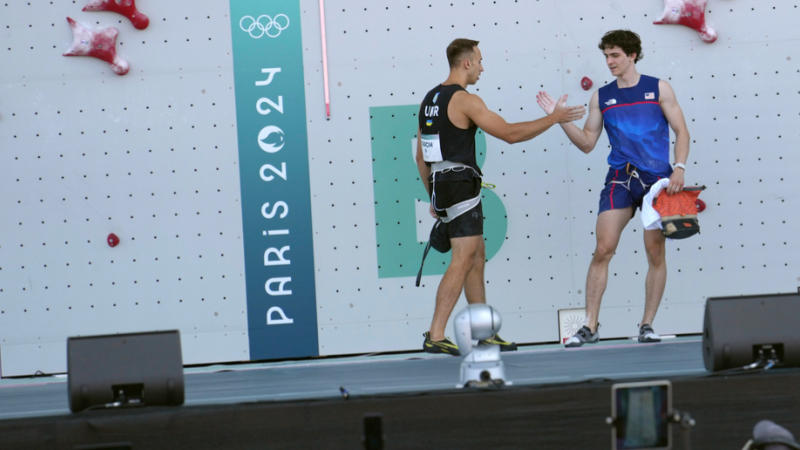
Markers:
point(559, 110)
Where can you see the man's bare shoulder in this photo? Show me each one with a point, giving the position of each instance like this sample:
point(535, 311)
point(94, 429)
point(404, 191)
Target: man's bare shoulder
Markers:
point(466, 100)
point(666, 91)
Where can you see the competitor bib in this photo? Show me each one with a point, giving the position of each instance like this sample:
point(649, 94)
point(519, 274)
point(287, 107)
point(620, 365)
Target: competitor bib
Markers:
point(431, 148)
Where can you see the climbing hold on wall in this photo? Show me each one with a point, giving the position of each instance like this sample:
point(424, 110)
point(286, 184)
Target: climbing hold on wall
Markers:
point(100, 44)
point(586, 83)
point(690, 13)
point(125, 7)
point(113, 240)
point(701, 205)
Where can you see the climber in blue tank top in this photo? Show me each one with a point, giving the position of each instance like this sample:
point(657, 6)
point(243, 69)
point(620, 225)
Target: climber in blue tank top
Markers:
point(637, 112)
point(636, 126)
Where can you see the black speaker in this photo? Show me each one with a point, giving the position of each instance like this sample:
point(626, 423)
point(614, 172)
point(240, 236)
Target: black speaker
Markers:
point(736, 330)
point(125, 370)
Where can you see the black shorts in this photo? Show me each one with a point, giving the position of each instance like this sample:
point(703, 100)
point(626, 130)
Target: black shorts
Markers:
point(453, 187)
point(468, 224)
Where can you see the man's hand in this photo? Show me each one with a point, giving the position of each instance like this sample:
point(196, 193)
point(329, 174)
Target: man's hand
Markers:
point(675, 181)
point(559, 110)
point(432, 211)
point(545, 102)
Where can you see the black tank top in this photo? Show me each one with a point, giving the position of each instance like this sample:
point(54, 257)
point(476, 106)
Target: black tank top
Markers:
point(457, 144)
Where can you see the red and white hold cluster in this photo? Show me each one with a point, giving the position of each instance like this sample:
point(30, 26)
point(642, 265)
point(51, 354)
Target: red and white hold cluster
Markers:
point(125, 7)
point(102, 43)
point(690, 13)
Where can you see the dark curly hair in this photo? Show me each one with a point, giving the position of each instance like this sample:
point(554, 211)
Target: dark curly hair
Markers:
point(627, 40)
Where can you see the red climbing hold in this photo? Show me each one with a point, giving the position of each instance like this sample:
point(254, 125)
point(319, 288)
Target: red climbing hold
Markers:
point(586, 83)
point(701, 205)
point(101, 44)
point(112, 239)
point(690, 13)
point(125, 7)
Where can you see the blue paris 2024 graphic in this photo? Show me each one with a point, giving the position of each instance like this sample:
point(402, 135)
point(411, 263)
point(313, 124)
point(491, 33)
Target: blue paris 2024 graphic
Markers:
point(273, 165)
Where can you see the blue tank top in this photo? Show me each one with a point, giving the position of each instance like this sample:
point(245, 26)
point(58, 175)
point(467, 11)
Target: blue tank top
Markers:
point(636, 126)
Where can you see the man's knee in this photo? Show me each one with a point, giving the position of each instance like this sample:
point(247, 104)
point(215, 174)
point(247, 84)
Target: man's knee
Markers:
point(462, 260)
point(480, 250)
point(604, 251)
point(479, 259)
point(656, 254)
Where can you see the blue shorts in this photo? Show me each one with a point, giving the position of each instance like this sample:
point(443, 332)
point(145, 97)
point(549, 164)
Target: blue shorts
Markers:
point(625, 187)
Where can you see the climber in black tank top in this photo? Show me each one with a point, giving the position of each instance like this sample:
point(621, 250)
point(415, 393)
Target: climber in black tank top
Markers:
point(448, 119)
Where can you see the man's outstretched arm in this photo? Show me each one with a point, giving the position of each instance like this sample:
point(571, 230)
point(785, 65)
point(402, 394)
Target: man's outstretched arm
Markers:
point(585, 139)
point(489, 121)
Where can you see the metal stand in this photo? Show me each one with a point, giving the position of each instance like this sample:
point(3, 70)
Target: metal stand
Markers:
point(483, 368)
point(686, 422)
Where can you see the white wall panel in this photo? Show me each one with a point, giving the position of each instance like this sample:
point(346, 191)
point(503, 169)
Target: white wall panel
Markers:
point(152, 156)
point(548, 187)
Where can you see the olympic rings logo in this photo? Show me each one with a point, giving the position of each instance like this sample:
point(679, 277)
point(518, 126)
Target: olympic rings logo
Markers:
point(264, 25)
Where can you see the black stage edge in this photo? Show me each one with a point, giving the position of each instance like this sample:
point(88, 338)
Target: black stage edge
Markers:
point(550, 416)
